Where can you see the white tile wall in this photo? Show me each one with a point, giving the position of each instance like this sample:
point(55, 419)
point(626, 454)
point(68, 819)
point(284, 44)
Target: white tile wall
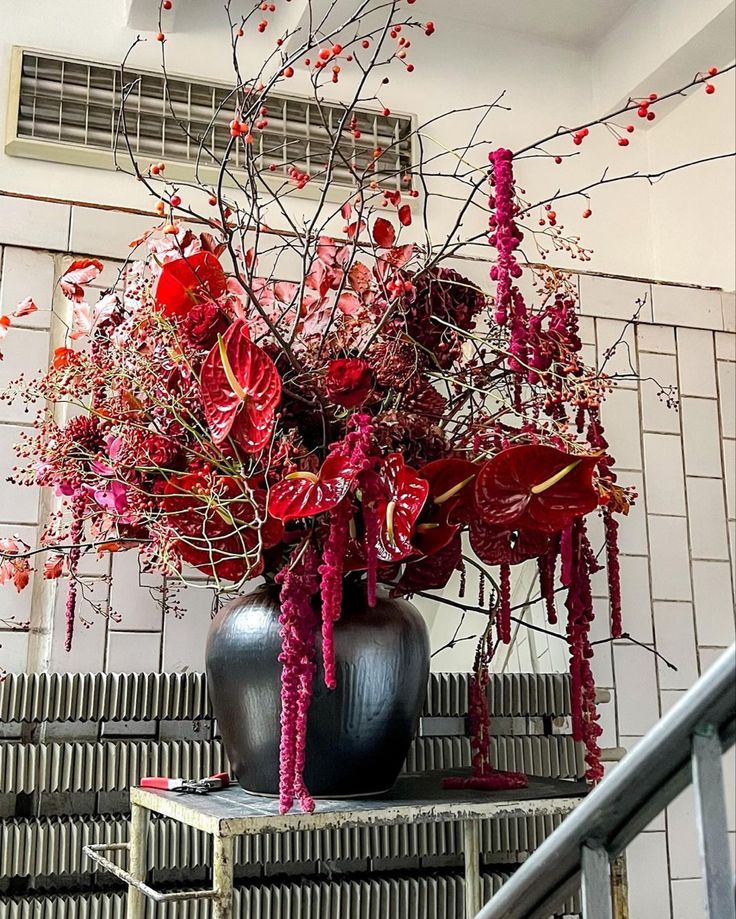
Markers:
point(676, 597)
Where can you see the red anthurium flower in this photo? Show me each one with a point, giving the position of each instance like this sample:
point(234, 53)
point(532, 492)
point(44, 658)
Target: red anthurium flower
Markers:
point(534, 487)
point(449, 505)
point(495, 546)
point(304, 494)
point(217, 523)
point(348, 382)
point(403, 494)
point(186, 281)
point(241, 388)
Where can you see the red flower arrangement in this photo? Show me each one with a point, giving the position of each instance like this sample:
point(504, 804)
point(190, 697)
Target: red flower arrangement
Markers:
point(353, 422)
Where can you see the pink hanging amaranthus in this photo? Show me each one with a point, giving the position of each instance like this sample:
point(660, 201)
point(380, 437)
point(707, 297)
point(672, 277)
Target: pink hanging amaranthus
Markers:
point(298, 622)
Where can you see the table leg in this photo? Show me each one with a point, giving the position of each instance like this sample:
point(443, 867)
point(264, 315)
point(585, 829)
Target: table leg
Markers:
point(471, 850)
point(137, 864)
point(222, 877)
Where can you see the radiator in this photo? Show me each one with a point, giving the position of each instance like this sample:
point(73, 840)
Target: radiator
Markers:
point(43, 853)
point(438, 897)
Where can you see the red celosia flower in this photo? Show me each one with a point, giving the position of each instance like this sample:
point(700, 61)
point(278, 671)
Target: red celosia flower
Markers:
point(186, 281)
point(241, 388)
point(202, 324)
point(348, 382)
point(535, 487)
point(304, 494)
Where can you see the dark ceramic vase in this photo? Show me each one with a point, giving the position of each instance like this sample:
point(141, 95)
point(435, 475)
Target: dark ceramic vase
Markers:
point(358, 735)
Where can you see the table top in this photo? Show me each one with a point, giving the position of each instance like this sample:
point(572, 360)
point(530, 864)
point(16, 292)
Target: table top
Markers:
point(234, 812)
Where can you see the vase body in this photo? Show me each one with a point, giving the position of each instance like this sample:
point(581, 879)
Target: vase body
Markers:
point(358, 734)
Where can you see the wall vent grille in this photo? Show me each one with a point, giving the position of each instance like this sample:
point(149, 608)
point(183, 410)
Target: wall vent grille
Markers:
point(66, 108)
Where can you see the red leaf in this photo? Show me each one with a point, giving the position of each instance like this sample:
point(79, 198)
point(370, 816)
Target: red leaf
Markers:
point(495, 546)
point(53, 567)
point(355, 229)
point(346, 210)
point(304, 494)
point(405, 215)
point(535, 487)
point(403, 493)
point(186, 281)
point(25, 308)
point(80, 272)
point(240, 388)
point(384, 233)
point(399, 255)
point(348, 303)
point(63, 357)
point(5, 323)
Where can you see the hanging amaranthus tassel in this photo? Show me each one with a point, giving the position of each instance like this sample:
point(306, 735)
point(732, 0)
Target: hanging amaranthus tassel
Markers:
point(484, 777)
point(503, 616)
point(547, 565)
point(577, 556)
point(76, 532)
point(298, 622)
point(613, 571)
point(331, 573)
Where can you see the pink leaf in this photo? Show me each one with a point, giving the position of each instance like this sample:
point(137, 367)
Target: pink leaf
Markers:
point(348, 303)
point(78, 274)
point(25, 308)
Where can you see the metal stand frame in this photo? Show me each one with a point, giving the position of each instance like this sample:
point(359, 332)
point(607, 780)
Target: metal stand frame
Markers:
point(225, 815)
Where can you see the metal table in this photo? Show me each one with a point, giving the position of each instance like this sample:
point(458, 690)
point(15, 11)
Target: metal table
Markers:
point(233, 812)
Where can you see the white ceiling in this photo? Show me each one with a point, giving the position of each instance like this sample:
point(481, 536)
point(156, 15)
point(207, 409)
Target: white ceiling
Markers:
point(574, 22)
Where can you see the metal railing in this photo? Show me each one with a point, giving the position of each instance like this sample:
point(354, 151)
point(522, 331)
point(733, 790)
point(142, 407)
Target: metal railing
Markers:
point(685, 747)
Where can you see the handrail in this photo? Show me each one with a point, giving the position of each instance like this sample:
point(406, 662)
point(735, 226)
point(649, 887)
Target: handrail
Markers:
point(685, 746)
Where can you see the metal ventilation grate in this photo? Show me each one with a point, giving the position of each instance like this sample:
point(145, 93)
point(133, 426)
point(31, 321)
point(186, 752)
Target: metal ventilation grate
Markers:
point(66, 105)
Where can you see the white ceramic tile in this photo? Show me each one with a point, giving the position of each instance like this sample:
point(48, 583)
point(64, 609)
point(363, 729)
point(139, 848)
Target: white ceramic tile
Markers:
point(659, 393)
point(636, 605)
point(675, 630)
point(708, 657)
point(25, 355)
point(602, 663)
point(728, 306)
point(616, 350)
point(620, 416)
point(13, 651)
point(656, 338)
point(670, 560)
point(636, 688)
point(727, 397)
point(702, 437)
point(683, 837)
point(707, 518)
point(136, 597)
point(729, 474)
point(133, 652)
point(725, 346)
point(687, 306)
point(632, 535)
point(587, 330)
point(24, 222)
point(607, 712)
point(17, 503)
point(26, 273)
point(106, 233)
point(668, 699)
point(688, 899)
point(714, 610)
point(696, 360)
point(646, 861)
point(614, 298)
point(185, 635)
point(665, 482)
point(87, 653)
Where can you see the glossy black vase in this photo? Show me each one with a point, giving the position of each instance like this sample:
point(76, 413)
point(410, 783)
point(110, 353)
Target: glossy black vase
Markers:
point(358, 735)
